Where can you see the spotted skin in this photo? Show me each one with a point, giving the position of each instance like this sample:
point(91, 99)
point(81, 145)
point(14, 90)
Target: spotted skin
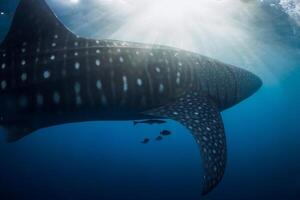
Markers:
point(50, 76)
point(204, 121)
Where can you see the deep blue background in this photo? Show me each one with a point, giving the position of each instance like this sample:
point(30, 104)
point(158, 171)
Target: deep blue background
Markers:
point(105, 160)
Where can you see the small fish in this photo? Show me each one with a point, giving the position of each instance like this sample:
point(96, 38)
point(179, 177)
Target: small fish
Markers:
point(145, 141)
point(150, 121)
point(165, 133)
point(158, 138)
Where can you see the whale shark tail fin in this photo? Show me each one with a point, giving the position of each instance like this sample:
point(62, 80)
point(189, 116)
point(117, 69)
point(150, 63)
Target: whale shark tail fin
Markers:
point(34, 22)
point(202, 117)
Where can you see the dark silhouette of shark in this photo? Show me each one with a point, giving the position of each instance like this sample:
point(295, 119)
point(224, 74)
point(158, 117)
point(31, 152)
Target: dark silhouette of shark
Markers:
point(50, 76)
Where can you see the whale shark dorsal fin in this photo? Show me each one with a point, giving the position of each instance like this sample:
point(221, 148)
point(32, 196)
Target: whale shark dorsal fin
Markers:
point(201, 116)
point(33, 22)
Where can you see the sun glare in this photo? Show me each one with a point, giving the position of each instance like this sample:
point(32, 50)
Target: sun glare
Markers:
point(182, 23)
point(74, 1)
point(221, 29)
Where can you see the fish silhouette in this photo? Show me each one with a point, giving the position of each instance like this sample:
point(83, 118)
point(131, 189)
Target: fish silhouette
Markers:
point(165, 133)
point(159, 138)
point(150, 121)
point(145, 141)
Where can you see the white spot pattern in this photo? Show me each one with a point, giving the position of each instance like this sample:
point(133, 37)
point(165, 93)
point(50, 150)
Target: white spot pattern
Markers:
point(3, 85)
point(77, 65)
point(139, 82)
point(97, 62)
point(161, 88)
point(99, 84)
point(24, 77)
point(77, 87)
point(46, 74)
point(125, 84)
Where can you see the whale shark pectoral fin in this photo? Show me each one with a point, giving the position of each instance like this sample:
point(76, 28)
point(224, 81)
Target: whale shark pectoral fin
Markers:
point(202, 117)
point(16, 132)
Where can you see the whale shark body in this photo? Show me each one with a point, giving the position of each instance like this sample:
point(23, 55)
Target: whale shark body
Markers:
point(50, 76)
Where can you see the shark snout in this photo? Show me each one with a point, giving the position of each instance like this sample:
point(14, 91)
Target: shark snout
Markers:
point(247, 83)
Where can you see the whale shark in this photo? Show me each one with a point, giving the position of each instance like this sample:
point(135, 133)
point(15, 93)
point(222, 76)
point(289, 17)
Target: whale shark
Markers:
point(51, 76)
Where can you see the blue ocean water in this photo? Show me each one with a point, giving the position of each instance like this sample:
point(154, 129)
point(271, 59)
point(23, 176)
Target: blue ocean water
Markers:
point(105, 160)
